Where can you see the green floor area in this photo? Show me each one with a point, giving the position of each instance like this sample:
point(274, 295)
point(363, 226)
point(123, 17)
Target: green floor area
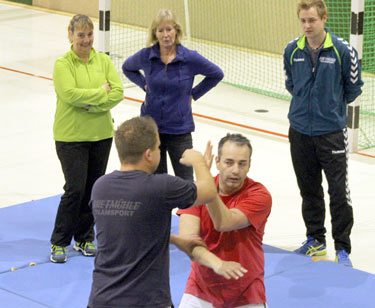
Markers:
point(29, 2)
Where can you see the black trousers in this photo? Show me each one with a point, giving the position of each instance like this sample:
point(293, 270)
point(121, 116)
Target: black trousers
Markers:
point(82, 164)
point(175, 145)
point(311, 155)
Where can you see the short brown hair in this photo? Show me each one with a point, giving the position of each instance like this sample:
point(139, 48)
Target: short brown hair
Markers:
point(134, 137)
point(164, 15)
point(320, 6)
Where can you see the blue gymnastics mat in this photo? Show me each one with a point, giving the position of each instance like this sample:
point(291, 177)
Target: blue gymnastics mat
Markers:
point(29, 279)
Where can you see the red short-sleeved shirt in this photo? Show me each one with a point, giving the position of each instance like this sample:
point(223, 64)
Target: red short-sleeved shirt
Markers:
point(243, 246)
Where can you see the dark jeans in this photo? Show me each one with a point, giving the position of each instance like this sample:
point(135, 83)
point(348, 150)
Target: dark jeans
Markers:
point(82, 164)
point(311, 155)
point(175, 145)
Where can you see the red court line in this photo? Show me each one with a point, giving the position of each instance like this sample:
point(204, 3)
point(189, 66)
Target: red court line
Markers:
point(29, 74)
point(195, 114)
point(222, 121)
point(364, 154)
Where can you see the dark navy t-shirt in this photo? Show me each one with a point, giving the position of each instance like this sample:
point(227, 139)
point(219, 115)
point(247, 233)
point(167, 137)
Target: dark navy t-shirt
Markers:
point(132, 212)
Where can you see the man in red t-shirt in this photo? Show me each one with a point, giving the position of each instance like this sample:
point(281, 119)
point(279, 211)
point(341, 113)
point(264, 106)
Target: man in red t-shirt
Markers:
point(232, 226)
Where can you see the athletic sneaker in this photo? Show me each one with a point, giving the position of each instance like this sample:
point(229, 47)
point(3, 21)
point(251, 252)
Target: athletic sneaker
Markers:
point(87, 248)
point(312, 247)
point(342, 257)
point(58, 254)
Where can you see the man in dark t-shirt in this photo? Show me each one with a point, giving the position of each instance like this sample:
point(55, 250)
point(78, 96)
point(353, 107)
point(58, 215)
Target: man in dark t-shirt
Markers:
point(132, 211)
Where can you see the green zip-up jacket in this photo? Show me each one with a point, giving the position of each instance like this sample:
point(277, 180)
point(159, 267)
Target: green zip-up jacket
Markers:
point(83, 105)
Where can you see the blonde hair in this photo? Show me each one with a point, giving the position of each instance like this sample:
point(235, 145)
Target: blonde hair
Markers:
point(320, 6)
point(164, 15)
point(80, 21)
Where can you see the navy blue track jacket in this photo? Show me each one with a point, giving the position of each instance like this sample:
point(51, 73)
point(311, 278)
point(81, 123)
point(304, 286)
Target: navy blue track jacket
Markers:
point(320, 95)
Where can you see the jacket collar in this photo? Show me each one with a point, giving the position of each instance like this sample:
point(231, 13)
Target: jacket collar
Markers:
point(155, 53)
point(75, 57)
point(301, 43)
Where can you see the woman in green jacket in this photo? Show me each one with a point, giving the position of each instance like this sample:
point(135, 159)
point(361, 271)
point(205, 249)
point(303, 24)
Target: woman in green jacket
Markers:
point(87, 86)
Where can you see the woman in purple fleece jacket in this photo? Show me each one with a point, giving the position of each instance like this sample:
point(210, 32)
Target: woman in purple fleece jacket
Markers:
point(168, 76)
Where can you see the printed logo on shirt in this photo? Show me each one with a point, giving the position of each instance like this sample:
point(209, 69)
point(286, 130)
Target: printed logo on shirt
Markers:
point(338, 152)
point(115, 207)
point(327, 60)
point(299, 59)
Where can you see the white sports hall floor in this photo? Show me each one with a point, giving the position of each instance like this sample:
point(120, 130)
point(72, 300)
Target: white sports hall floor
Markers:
point(31, 40)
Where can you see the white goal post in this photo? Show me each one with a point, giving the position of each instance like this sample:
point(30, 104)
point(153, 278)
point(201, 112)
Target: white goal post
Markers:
point(356, 41)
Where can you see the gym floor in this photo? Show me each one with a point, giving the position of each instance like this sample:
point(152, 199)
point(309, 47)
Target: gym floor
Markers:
point(33, 39)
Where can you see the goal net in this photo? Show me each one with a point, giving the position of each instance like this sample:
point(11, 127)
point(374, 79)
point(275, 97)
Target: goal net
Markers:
point(246, 38)
point(339, 12)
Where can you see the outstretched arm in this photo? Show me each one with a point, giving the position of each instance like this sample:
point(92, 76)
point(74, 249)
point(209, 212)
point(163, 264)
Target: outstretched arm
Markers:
point(190, 224)
point(187, 242)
